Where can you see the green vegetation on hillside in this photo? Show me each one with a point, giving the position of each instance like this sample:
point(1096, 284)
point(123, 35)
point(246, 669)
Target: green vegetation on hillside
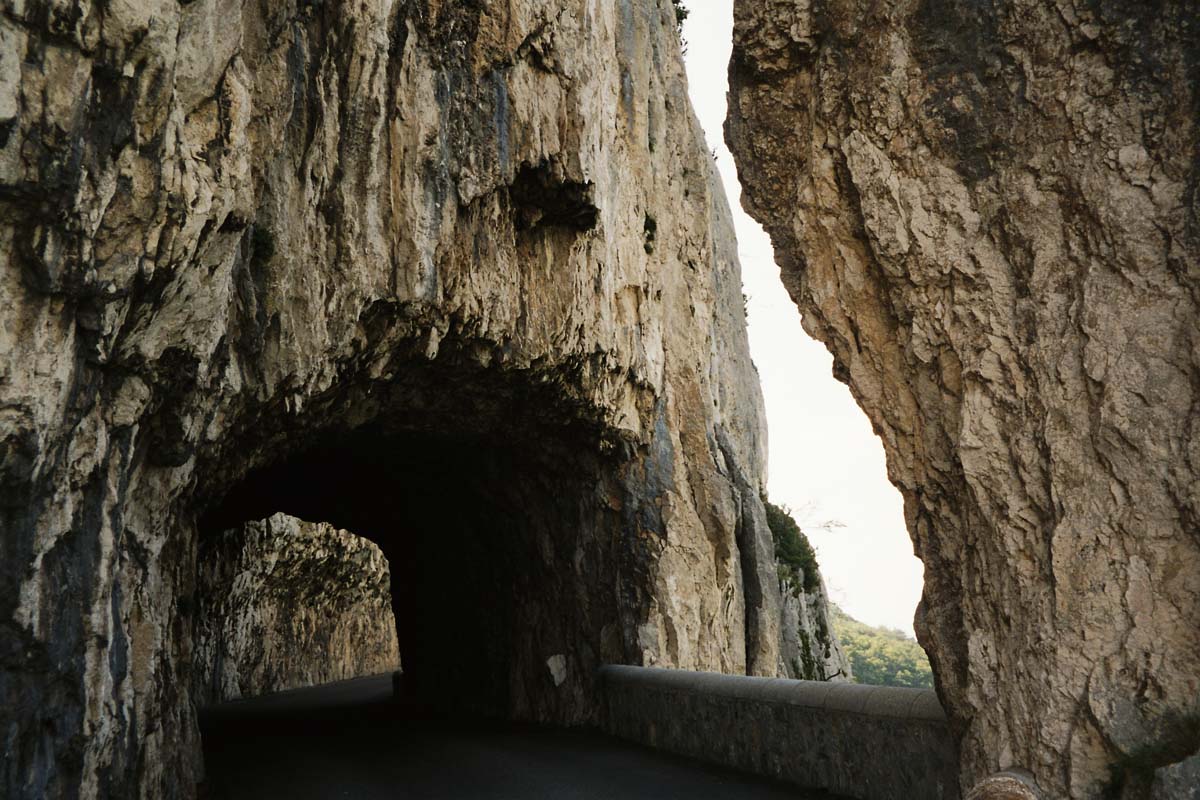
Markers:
point(881, 656)
point(793, 553)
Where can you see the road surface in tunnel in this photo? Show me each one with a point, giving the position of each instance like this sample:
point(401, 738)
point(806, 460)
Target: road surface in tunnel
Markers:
point(350, 740)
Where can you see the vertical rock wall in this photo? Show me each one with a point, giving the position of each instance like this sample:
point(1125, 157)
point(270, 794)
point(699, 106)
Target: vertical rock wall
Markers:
point(811, 650)
point(283, 603)
point(988, 212)
point(485, 236)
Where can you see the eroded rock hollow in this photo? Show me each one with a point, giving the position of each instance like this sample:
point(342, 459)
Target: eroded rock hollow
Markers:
point(988, 212)
point(457, 277)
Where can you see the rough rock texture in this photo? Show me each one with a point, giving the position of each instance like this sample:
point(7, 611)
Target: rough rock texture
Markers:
point(283, 603)
point(988, 212)
point(1177, 782)
point(455, 276)
point(810, 649)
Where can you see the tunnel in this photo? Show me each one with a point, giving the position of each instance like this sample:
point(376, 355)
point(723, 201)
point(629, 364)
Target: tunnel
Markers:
point(501, 527)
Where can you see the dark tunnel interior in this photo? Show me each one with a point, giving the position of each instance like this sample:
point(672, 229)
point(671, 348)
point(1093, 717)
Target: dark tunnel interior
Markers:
point(497, 557)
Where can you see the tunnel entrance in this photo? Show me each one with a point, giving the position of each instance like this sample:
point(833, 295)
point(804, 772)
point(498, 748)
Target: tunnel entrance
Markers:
point(285, 604)
point(502, 544)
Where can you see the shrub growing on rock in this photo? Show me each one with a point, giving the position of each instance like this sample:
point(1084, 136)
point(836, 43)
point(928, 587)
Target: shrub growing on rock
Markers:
point(796, 559)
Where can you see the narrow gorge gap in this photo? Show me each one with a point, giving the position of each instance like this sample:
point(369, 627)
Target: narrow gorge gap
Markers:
point(827, 464)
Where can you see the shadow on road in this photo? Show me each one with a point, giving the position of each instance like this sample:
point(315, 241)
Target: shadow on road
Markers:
point(351, 740)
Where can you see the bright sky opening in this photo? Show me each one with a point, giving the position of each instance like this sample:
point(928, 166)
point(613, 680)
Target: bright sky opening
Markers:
point(825, 461)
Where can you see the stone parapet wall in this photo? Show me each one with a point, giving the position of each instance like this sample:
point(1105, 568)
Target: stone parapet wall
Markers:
point(868, 742)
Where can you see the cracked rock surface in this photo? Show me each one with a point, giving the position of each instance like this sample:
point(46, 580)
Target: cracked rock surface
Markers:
point(812, 650)
point(462, 272)
point(988, 212)
point(283, 604)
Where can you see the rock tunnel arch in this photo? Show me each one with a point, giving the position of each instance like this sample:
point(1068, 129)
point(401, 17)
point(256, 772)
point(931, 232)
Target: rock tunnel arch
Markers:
point(501, 524)
point(351, 232)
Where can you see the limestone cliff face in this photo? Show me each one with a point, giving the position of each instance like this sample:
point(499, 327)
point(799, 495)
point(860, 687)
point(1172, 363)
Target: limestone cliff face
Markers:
point(811, 650)
point(455, 276)
point(283, 603)
point(988, 212)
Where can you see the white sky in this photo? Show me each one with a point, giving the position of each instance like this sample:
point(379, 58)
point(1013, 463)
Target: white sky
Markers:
point(825, 460)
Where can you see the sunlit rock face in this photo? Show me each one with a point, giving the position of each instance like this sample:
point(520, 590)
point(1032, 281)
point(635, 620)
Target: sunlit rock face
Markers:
point(457, 277)
point(988, 213)
point(811, 648)
point(282, 603)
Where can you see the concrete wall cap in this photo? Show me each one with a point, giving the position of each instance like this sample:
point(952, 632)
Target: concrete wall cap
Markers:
point(808, 694)
point(850, 697)
point(927, 706)
point(880, 701)
point(896, 702)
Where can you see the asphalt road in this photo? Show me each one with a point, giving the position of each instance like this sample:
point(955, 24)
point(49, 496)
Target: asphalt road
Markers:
point(349, 740)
